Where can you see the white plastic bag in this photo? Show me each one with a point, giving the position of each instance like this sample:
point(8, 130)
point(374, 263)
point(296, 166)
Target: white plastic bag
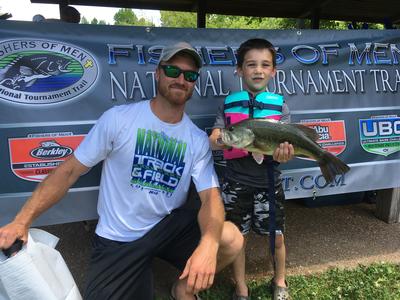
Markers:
point(37, 272)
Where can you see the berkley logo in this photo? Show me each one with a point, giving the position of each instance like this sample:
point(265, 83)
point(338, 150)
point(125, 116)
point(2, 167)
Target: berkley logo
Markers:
point(51, 150)
point(44, 71)
point(33, 163)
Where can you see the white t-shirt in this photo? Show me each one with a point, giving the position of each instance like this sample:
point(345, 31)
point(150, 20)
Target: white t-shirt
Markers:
point(147, 168)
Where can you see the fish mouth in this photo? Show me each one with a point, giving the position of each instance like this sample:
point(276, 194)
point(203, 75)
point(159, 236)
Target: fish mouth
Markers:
point(231, 140)
point(225, 138)
point(219, 141)
point(222, 138)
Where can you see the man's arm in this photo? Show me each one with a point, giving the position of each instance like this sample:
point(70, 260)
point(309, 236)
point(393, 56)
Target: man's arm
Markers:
point(201, 266)
point(47, 193)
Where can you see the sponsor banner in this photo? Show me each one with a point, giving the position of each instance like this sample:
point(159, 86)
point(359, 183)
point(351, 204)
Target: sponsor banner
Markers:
point(34, 156)
point(344, 84)
point(331, 134)
point(380, 134)
point(309, 182)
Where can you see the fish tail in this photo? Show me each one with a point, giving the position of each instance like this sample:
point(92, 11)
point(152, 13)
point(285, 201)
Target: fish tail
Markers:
point(331, 166)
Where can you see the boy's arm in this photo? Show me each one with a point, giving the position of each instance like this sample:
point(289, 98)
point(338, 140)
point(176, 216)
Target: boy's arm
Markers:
point(214, 138)
point(48, 192)
point(215, 141)
point(285, 151)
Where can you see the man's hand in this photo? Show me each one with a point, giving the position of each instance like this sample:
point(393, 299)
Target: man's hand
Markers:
point(46, 194)
point(283, 153)
point(11, 232)
point(201, 267)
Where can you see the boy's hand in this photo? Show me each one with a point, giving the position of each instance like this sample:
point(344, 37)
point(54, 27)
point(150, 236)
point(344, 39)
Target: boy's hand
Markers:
point(283, 153)
point(216, 140)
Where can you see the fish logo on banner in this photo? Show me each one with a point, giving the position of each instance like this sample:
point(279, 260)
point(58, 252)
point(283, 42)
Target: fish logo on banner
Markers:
point(34, 156)
point(44, 71)
point(380, 134)
point(331, 134)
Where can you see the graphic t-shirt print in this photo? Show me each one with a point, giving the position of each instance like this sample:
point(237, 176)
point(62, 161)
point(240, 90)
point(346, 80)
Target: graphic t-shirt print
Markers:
point(158, 162)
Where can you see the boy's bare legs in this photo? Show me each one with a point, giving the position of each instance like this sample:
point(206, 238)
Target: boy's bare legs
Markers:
point(239, 272)
point(280, 259)
point(239, 269)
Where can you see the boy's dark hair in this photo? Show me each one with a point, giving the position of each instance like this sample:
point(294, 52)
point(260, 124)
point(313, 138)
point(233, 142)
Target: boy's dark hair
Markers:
point(255, 44)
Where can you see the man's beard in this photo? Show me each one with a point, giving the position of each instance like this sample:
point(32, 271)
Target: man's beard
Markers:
point(166, 93)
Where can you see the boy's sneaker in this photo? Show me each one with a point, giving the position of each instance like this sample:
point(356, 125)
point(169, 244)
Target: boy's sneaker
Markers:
point(278, 292)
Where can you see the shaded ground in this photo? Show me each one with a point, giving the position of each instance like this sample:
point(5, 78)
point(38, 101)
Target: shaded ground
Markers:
point(316, 238)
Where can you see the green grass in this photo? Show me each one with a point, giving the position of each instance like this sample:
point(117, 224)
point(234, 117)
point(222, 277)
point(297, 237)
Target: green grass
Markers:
point(379, 281)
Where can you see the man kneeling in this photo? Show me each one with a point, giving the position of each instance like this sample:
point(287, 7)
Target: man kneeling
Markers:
point(150, 151)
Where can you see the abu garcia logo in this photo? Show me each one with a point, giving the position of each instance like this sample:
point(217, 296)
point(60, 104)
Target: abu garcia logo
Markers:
point(51, 150)
point(44, 71)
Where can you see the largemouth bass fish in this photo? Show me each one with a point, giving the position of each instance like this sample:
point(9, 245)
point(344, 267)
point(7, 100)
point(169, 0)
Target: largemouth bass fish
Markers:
point(263, 136)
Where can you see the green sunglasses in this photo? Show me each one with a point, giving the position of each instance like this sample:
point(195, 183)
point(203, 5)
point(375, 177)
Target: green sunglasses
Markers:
point(174, 72)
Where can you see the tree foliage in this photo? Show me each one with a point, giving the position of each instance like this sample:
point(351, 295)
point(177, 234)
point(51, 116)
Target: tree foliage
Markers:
point(94, 21)
point(84, 20)
point(178, 19)
point(126, 16)
point(187, 19)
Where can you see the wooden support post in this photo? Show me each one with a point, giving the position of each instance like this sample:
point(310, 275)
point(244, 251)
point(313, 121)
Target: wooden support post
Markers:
point(300, 24)
point(315, 19)
point(201, 14)
point(388, 205)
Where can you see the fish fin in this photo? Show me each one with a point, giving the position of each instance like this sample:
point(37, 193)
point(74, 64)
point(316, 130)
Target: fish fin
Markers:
point(264, 120)
point(306, 157)
point(308, 131)
point(331, 166)
point(258, 157)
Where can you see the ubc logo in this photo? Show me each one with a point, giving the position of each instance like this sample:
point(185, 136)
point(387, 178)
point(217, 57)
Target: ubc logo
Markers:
point(376, 128)
point(380, 135)
point(43, 72)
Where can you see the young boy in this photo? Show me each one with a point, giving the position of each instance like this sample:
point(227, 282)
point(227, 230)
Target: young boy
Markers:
point(246, 183)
